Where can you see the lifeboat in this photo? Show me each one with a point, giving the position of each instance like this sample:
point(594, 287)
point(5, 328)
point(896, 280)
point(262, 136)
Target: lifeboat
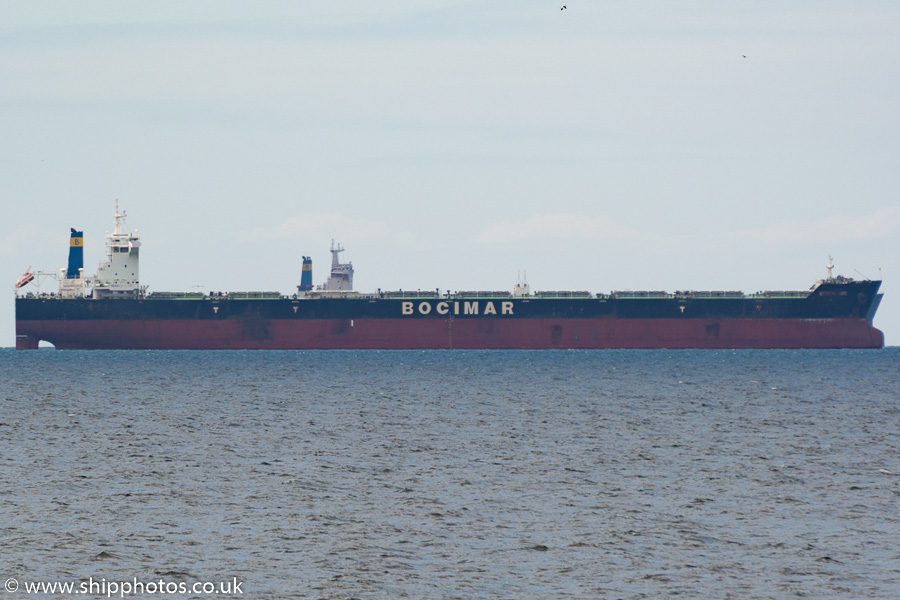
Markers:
point(24, 280)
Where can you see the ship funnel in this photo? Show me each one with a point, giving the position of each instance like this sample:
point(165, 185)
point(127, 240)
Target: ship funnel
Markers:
point(306, 280)
point(76, 255)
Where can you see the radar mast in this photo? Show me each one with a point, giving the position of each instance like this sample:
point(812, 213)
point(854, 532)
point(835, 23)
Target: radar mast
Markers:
point(341, 277)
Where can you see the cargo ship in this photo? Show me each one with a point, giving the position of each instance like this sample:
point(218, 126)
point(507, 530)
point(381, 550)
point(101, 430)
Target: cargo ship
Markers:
point(112, 310)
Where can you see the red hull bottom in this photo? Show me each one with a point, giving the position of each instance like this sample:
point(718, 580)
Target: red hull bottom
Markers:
point(352, 334)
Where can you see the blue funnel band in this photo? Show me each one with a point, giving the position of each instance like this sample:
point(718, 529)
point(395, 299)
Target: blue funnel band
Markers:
point(76, 254)
point(306, 283)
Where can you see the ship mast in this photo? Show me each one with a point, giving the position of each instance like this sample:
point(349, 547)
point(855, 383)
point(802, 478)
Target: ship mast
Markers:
point(341, 277)
point(334, 254)
point(120, 220)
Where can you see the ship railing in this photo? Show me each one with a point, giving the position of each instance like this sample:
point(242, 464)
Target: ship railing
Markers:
point(332, 294)
point(483, 294)
point(710, 294)
point(109, 292)
point(780, 294)
point(561, 294)
point(409, 294)
point(253, 295)
point(175, 296)
point(50, 296)
point(640, 294)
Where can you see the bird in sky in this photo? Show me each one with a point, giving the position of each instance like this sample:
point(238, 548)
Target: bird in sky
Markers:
point(563, 7)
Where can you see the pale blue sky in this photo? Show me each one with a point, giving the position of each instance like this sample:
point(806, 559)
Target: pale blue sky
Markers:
point(613, 145)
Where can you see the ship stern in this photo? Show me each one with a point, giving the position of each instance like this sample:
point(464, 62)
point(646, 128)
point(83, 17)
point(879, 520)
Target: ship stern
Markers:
point(26, 342)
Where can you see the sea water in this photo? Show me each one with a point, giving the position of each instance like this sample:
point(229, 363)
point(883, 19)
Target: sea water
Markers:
point(451, 474)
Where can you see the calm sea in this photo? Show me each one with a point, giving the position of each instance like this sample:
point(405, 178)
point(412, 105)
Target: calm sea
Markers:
point(452, 474)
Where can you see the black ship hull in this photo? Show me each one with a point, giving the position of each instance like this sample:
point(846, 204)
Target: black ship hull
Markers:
point(833, 315)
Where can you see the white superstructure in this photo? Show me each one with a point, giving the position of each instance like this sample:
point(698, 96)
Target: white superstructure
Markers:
point(341, 278)
point(118, 275)
point(75, 287)
point(522, 288)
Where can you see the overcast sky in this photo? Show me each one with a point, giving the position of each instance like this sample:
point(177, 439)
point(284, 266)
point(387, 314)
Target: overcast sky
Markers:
point(613, 145)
